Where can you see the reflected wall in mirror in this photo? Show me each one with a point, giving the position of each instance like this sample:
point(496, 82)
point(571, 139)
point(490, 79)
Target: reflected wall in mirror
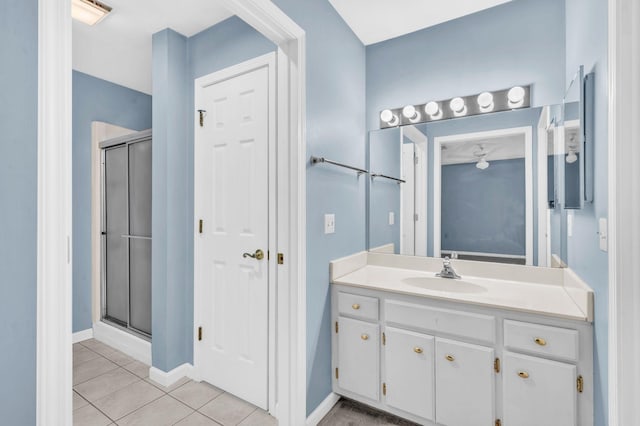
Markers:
point(493, 187)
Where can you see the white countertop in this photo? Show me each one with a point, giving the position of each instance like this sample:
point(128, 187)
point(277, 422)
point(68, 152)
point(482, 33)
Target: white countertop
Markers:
point(390, 273)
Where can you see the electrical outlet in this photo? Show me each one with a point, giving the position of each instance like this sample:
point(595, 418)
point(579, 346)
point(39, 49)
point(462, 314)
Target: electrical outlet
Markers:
point(569, 225)
point(329, 223)
point(392, 218)
point(603, 234)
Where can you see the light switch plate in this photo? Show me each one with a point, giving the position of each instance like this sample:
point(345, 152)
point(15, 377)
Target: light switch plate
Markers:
point(569, 225)
point(329, 223)
point(392, 218)
point(602, 234)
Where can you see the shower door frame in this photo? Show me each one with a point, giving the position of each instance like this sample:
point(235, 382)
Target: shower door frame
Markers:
point(127, 140)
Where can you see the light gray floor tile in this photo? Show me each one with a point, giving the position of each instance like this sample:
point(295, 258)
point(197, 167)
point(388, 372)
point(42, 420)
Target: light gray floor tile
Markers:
point(197, 419)
point(89, 416)
point(128, 399)
point(227, 409)
point(105, 384)
point(98, 347)
point(78, 401)
point(165, 411)
point(138, 368)
point(118, 357)
point(171, 388)
point(259, 418)
point(83, 355)
point(196, 394)
point(90, 369)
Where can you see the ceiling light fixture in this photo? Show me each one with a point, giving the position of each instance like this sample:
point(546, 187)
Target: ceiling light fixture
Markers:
point(485, 101)
point(516, 96)
point(389, 117)
point(572, 157)
point(483, 164)
point(411, 113)
point(89, 12)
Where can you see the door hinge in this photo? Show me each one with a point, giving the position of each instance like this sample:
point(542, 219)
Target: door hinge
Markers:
point(337, 373)
point(384, 339)
point(336, 326)
point(580, 384)
point(200, 223)
point(199, 334)
point(498, 422)
point(280, 259)
point(496, 365)
point(415, 217)
point(203, 114)
point(415, 159)
point(384, 388)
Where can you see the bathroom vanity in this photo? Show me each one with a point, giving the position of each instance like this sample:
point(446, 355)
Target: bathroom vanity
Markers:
point(504, 345)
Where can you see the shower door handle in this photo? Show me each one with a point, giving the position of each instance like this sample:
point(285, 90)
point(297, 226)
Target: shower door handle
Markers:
point(135, 237)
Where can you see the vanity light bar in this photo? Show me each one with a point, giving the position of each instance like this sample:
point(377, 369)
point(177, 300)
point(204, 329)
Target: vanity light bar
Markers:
point(500, 100)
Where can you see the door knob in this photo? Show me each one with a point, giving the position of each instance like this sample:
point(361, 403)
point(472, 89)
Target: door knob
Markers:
point(258, 255)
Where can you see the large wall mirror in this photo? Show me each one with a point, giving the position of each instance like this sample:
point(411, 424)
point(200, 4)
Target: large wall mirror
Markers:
point(494, 187)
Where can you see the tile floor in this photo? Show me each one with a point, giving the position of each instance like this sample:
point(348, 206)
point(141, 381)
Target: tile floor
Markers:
point(111, 388)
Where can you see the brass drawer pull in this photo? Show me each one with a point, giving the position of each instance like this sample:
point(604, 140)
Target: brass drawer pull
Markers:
point(417, 350)
point(523, 374)
point(540, 341)
point(355, 306)
point(450, 358)
point(364, 337)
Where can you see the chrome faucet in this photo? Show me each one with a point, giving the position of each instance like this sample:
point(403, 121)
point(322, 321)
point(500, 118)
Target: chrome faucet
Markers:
point(447, 270)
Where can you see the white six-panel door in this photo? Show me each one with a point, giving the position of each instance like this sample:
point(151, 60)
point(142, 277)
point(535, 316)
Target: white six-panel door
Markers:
point(231, 199)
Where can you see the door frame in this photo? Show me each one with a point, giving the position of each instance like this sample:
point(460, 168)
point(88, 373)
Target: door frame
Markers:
point(421, 184)
point(54, 223)
point(527, 131)
point(269, 61)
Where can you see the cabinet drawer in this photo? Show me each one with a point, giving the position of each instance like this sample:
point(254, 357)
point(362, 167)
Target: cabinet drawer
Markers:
point(473, 326)
point(553, 342)
point(358, 306)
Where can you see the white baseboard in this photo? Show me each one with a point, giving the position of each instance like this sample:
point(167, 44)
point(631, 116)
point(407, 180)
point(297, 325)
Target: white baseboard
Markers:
point(131, 345)
point(80, 336)
point(166, 379)
point(323, 409)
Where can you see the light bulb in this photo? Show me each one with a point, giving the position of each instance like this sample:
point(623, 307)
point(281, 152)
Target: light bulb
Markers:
point(389, 117)
point(571, 157)
point(432, 108)
point(482, 164)
point(516, 96)
point(485, 101)
point(411, 113)
point(457, 105)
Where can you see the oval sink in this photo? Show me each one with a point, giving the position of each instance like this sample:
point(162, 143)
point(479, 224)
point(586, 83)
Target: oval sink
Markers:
point(444, 284)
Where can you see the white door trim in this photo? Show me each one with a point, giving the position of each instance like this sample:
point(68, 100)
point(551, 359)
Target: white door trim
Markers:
point(421, 143)
point(269, 61)
point(624, 205)
point(543, 206)
point(54, 271)
point(54, 402)
point(528, 165)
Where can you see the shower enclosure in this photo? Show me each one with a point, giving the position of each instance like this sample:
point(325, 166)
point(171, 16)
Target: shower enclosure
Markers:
point(126, 232)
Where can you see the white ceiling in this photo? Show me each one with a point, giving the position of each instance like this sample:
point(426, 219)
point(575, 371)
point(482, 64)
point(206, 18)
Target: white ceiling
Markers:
point(374, 21)
point(497, 148)
point(118, 49)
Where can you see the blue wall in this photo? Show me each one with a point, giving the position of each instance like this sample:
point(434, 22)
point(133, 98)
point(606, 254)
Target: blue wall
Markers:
point(517, 43)
point(485, 209)
point(18, 200)
point(587, 45)
point(94, 100)
point(335, 129)
point(177, 61)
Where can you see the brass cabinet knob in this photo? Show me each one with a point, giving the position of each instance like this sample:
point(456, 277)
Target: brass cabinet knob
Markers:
point(258, 255)
point(355, 306)
point(540, 341)
point(450, 358)
point(417, 350)
point(364, 337)
point(523, 374)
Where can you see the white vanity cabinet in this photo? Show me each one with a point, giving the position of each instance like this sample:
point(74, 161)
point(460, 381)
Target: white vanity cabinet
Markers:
point(438, 362)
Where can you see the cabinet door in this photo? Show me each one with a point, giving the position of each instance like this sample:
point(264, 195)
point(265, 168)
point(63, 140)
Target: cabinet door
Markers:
point(465, 384)
point(409, 371)
point(359, 357)
point(538, 391)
